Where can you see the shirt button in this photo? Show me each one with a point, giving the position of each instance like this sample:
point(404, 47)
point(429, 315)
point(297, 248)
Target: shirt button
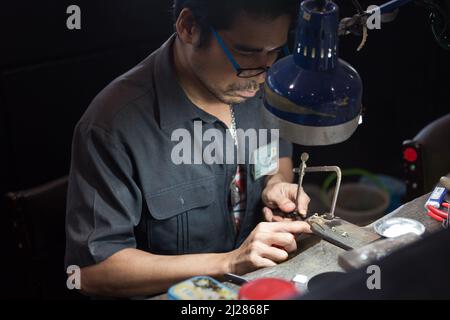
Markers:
point(182, 201)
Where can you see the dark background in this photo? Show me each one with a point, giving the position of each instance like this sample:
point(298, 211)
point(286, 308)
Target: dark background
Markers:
point(49, 75)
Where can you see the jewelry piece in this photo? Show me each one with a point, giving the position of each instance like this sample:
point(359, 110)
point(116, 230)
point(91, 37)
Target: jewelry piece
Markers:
point(233, 129)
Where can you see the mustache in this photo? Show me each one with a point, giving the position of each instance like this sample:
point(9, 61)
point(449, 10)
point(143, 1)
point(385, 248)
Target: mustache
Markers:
point(248, 86)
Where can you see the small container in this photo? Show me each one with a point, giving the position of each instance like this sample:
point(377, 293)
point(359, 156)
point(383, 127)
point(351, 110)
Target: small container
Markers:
point(201, 288)
point(268, 289)
point(397, 227)
point(437, 198)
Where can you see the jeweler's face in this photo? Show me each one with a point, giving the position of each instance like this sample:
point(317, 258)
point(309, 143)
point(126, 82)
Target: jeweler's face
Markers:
point(254, 43)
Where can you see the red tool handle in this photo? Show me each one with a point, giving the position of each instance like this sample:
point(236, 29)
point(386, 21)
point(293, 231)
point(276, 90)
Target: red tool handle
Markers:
point(436, 217)
point(438, 212)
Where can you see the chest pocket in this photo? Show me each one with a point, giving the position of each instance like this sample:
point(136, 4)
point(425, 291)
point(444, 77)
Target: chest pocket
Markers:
point(186, 219)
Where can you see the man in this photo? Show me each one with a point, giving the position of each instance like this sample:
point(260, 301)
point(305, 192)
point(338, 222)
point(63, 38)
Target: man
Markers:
point(137, 222)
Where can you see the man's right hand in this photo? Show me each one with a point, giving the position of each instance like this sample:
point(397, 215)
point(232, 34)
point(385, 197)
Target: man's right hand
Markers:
point(268, 245)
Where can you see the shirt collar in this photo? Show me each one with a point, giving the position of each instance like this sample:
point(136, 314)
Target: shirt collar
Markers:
point(175, 108)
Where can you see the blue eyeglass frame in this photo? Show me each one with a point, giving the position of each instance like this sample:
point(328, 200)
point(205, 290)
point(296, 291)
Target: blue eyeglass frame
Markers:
point(236, 66)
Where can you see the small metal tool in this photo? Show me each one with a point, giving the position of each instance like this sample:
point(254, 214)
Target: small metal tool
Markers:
point(304, 169)
point(329, 227)
point(301, 175)
point(235, 279)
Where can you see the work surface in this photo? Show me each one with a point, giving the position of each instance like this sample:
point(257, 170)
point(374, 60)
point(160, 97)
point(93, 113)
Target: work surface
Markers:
point(316, 256)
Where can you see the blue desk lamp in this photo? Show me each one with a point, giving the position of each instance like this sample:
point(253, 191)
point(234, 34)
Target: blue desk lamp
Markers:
point(312, 96)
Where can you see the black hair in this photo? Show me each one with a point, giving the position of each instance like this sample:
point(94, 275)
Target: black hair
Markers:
point(220, 14)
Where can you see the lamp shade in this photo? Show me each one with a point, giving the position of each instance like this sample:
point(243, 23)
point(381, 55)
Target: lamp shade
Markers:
point(312, 96)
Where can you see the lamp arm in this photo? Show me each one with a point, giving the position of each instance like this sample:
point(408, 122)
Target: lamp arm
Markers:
point(439, 19)
point(392, 5)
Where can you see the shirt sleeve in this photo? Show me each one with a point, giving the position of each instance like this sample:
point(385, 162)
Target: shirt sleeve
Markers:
point(104, 203)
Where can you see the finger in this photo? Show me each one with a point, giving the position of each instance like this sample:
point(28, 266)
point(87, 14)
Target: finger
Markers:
point(280, 199)
point(294, 227)
point(268, 215)
point(274, 254)
point(303, 204)
point(287, 242)
point(281, 240)
point(279, 219)
point(303, 200)
point(271, 216)
point(261, 262)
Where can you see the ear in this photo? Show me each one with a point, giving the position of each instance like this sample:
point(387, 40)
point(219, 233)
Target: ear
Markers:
point(187, 29)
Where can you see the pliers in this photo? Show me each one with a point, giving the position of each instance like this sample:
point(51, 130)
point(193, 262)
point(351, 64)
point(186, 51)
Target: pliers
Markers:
point(437, 214)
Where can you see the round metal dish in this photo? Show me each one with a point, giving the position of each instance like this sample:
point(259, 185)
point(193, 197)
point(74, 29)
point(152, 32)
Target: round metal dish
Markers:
point(397, 227)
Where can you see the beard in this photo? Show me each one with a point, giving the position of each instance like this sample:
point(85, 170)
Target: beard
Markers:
point(250, 85)
point(230, 94)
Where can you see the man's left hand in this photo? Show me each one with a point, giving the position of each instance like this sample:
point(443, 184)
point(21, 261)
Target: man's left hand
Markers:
point(282, 196)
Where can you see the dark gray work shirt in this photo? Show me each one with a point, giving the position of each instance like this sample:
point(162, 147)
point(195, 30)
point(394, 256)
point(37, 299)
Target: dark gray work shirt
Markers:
point(126, 192)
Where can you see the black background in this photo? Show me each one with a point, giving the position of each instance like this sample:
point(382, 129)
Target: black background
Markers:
point(49, 75)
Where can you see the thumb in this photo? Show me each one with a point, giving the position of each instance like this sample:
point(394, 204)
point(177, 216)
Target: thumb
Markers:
point(283, 197)
point(284, 203)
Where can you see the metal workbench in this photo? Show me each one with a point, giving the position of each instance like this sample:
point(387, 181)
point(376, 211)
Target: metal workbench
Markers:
point(316, 256)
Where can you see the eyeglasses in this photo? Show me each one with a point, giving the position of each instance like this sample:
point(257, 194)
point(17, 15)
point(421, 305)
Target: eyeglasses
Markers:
point(243, 72)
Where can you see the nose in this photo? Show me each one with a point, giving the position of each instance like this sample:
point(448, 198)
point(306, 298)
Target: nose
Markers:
point(260, 79)
point(266, 60)
point(270, 58)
